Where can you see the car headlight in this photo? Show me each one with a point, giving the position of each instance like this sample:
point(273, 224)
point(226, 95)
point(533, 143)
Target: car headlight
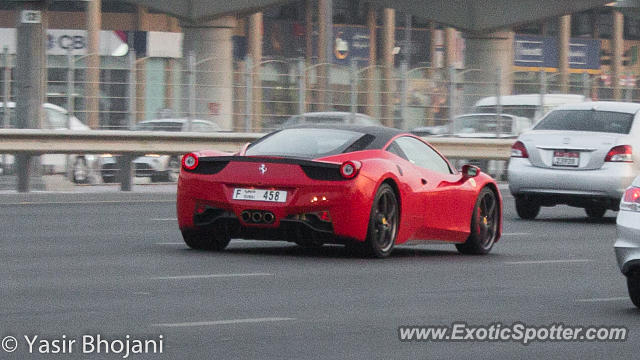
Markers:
point(631, 199)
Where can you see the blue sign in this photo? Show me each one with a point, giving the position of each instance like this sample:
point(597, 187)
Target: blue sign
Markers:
point(350, 43)
point(542, 52)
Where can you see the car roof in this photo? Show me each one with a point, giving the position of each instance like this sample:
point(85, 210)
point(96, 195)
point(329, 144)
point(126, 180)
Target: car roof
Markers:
point(531, 99)
point(382, 134)
point(331, 113)
point(613, 106)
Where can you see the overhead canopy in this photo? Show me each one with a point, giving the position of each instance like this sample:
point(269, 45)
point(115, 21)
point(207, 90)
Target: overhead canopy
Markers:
point(472, 15)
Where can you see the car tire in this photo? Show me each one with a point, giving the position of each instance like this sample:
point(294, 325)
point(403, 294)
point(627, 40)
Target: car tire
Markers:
point(527, 209)
point(202, 240)
point(80, 171)
point(633, 284)
point(595, 211)
point(484, 225)
point(382, 231)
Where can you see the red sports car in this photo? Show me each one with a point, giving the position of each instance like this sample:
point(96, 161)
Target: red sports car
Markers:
point(369, 188)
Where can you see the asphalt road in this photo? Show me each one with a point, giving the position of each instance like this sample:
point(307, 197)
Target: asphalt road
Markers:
point(114, 265)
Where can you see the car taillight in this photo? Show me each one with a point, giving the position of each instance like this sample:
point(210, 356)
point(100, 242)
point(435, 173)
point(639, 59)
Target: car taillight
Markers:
point(190, 161)
point(631, 199)
point(518, 150)
point(621, 153)
point(349, 169)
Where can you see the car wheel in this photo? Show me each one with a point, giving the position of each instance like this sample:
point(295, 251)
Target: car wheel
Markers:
point(484, 225)
point(80, 171)
point(595, 211)
point(383, 225)
point(201, 240)
point(633, 283)
point(527, 209)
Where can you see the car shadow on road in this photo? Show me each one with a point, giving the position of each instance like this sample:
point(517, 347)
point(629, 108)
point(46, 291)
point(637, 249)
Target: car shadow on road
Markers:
point(570, 220)
point(340, 252)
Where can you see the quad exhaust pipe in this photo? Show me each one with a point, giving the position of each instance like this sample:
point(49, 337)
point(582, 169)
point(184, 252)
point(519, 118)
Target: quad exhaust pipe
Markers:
point(258, 217)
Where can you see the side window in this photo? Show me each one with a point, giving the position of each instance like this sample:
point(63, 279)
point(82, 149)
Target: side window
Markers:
point(395, 149)
point(55, 119)
point(422, 155)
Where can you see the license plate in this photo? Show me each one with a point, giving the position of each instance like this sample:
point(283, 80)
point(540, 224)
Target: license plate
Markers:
point(566, 158)
point(260, 195)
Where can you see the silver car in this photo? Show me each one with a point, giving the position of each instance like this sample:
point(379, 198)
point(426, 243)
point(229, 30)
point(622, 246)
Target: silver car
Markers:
point(156, 166)
point(583, 155)
point(628, 240)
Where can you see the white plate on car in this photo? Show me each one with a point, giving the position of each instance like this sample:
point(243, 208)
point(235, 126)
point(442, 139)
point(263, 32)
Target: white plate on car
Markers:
point(279, 196)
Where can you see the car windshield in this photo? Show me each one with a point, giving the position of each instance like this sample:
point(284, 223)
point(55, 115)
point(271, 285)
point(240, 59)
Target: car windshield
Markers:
point(159, 126)
point(587, 120)
point(304, 143)
point(481, 124)
point(528, 111)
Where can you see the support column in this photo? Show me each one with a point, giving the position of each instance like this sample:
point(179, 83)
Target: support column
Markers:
point(170, 69)
point(388, 87)
point(564, 36)
point(325, 39)
point(372, 89)
point(617, 48)
point(212, 45)
point(450, 46)
point(487, 52)
point(31, 77)
point(255, 52)
point(92, 92)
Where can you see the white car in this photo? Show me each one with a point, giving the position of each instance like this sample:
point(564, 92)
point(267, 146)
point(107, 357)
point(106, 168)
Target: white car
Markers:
point(82, 167)
point(155, 166)
point(582, 155)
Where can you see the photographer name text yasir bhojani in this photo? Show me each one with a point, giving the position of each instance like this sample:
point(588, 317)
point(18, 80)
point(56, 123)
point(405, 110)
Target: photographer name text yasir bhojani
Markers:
point(94, 344)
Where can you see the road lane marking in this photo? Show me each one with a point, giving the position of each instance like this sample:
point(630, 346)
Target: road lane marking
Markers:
point(603, 299)
point(225, 322)
point(87, 202)
point(208, 276)
point(547, 261)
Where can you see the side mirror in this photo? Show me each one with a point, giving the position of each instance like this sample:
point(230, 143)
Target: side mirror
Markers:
point(469, 171)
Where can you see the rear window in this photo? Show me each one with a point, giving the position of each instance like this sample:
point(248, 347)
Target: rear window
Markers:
point(587, 120)
point(305, 143)
point(482, 124)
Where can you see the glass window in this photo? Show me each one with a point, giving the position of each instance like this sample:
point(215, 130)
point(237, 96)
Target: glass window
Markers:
point(482, 124)
point(587, 120)
point(304, 143)
point(420, 154)
point(13, 122)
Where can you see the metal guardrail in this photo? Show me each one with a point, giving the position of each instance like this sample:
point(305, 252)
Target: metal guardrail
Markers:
point(36, 141)
point(130, 144)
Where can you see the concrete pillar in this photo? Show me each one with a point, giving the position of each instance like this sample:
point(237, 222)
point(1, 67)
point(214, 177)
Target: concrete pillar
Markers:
point(308, 19)
point(487, 52)
point(564, 36)
point(429, 111)
point(255, 52)
point(617, 49)
point(30, 83)
point(373, 60)
point(92, 92)
point(142, 18)
point(450, 47)
point(212, 45)
point(325, 39)
point(388, 87)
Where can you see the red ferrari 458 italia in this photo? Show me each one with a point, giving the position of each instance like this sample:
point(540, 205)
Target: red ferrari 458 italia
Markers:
point(369, 188)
